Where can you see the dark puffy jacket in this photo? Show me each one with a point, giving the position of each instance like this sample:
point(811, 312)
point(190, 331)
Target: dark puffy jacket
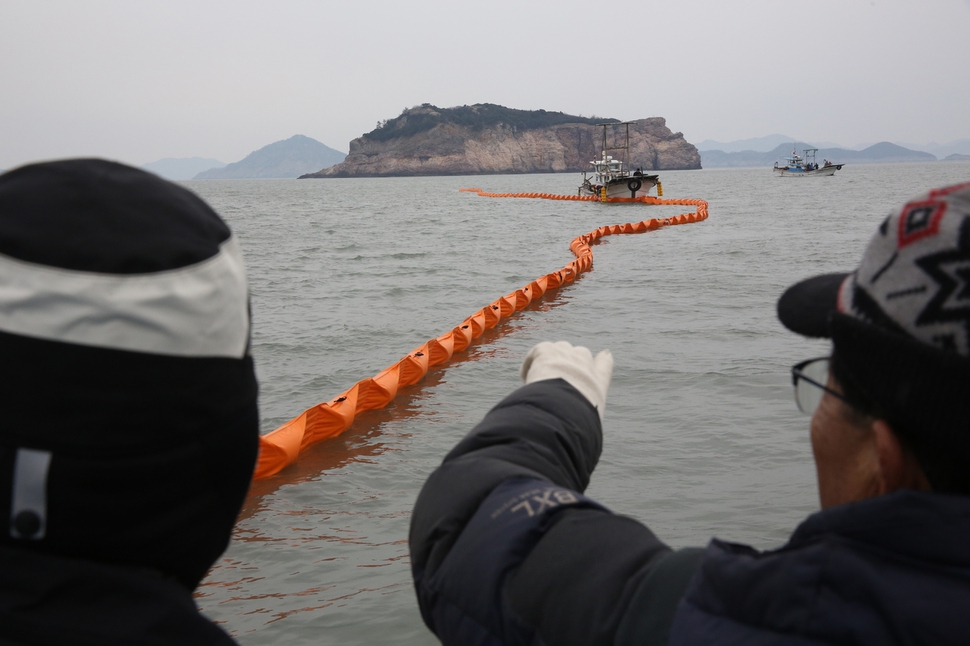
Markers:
point(54, 601)
point(889, 570)
point(506, 550)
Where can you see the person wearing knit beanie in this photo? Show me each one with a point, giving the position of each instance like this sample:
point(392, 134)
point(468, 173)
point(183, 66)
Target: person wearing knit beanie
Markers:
point(130, 422)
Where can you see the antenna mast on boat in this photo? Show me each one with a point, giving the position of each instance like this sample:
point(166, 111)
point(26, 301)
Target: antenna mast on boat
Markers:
point(626, 148)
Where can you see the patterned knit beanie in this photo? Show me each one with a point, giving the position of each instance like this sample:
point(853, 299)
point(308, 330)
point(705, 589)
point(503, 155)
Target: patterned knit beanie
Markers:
point(900, 325)
point(129, 426)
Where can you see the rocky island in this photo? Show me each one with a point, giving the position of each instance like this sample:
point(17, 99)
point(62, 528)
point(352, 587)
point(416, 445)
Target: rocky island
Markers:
point(486, 139)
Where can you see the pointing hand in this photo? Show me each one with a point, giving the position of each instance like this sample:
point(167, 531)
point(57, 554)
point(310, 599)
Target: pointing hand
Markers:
point(589, 375)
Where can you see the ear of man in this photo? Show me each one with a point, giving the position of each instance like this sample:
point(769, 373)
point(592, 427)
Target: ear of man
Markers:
point(898, 467)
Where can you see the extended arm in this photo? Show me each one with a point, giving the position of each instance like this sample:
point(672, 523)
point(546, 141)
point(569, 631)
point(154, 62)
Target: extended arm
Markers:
point(505, 548)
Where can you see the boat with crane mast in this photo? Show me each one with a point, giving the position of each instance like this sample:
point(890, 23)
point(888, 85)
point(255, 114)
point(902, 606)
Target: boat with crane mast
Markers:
point(611, 177)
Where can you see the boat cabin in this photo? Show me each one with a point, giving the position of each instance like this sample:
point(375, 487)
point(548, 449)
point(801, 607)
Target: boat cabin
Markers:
point(608, 168)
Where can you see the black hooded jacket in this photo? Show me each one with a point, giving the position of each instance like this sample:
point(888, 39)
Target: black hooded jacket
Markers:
point(48, 600)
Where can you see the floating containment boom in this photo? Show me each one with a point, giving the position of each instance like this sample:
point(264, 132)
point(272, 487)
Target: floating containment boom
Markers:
point(280, 448)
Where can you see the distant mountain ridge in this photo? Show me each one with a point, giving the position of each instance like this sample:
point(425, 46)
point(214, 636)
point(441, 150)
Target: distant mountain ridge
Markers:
point(182, 168)
point(288, 158)
point(958, 147)
point(759, 144)
point(883, 152)
point(768, 143)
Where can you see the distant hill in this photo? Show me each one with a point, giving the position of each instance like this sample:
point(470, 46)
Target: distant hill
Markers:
point(957, 147)
point(957, 157)
point(289, 158)
point(182, 168)
point(758, 144)
point(883, 152)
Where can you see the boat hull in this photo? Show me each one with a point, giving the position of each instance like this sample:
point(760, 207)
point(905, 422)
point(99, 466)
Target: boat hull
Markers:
point(628, 187)
point(822, 171)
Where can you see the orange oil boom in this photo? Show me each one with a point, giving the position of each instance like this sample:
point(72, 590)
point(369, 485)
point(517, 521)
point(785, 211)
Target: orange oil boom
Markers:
point(280, 448)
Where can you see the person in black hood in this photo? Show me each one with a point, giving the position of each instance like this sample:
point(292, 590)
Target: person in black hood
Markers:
point(130, 425)
point(506, 549)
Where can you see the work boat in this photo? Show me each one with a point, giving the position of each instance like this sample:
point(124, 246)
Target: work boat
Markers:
point(612, 178)
point(806, 166)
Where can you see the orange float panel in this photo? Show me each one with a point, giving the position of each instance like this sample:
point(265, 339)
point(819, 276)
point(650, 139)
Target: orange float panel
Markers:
point(492, 315)
point(441, 349)
point(462, 337)
point(414, 367)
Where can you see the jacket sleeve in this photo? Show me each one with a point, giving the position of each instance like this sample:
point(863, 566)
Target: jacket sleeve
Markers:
point(506, 549)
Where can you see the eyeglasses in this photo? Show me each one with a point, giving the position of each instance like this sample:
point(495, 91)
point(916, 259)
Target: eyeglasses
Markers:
point(809, 378)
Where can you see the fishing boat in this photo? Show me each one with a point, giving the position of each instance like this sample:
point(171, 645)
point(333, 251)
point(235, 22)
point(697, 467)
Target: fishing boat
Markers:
point(806, 166)
point(612, 178)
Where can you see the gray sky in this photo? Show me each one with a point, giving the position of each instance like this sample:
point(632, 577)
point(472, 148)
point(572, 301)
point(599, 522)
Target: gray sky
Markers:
point(139, 81)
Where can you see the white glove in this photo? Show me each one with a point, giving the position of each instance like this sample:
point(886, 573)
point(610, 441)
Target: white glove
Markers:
point(576, 364)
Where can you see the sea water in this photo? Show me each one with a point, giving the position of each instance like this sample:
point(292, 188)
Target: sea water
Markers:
point(701, 434)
